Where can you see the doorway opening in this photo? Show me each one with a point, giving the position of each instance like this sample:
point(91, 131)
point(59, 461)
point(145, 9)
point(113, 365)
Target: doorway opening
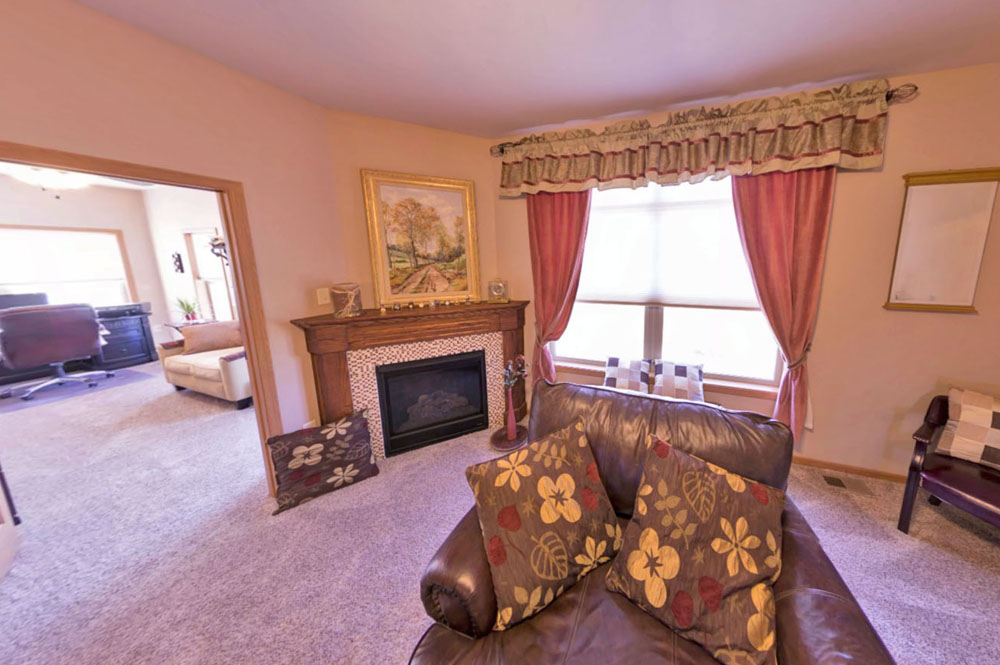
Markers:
point(207, 262)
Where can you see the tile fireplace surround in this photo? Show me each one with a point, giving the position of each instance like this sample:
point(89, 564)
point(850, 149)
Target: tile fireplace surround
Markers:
point(345, 352)
point(361, 364)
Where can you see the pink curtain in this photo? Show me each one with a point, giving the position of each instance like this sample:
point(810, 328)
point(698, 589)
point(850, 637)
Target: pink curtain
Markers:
point(557, 228)
point(783, 220)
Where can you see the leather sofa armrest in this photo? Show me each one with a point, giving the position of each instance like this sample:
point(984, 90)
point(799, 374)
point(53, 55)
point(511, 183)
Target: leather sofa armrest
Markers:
point(457, 587)
point(818, 619)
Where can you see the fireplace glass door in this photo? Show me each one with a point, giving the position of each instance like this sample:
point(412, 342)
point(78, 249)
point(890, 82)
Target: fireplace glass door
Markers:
point(427, 401)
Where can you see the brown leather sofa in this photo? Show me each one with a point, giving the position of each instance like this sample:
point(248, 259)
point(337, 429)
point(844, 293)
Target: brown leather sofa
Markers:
point(818, 620)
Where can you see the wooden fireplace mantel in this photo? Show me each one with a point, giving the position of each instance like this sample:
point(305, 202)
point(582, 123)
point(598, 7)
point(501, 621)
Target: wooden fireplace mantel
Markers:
point(329, 338)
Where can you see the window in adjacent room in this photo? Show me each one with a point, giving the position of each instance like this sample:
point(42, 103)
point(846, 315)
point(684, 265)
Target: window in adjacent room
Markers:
point(69, 266)
point(211, 278)
point(664, 276)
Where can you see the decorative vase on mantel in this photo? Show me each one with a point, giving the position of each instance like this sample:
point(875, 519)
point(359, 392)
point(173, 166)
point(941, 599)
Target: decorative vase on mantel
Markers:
point(512, 435)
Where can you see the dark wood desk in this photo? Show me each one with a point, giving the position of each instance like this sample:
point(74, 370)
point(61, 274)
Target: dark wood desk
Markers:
point(129, 340)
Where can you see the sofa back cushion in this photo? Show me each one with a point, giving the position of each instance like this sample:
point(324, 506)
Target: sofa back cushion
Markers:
point(211, 336)
point(618, 424)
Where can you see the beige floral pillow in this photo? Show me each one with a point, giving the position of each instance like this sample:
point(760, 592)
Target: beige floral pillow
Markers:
point(546, 521)
point(701, 553)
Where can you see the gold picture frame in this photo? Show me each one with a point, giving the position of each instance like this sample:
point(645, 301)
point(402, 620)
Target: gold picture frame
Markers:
point(422, 236)
point(943, 231)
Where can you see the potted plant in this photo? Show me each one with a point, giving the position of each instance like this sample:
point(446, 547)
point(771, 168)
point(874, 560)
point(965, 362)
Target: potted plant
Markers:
point(188, 308)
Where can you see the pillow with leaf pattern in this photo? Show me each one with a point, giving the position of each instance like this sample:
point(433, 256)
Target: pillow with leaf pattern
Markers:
point(546, 520)
point(701, 553)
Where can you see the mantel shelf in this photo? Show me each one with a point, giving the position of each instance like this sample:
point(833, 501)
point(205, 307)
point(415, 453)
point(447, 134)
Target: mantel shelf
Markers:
point(398, 315)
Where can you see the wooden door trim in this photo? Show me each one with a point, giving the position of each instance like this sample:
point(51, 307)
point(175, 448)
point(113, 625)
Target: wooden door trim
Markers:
point(236, 222)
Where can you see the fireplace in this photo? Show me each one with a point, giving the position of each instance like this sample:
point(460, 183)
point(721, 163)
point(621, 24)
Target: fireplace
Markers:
point(429, 400)
point(345, 352)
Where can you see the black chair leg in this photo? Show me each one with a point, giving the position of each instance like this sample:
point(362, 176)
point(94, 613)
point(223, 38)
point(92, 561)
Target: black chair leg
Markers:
point(909, 496)
point(933, 500)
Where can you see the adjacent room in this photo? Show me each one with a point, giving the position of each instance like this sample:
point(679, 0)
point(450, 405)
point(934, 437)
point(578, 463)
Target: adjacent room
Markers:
point(117, 331)
point(455, 333)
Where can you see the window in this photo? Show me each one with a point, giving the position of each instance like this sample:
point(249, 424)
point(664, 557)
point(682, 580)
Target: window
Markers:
point(664, 276)
point(211, 279)
point(69, 266)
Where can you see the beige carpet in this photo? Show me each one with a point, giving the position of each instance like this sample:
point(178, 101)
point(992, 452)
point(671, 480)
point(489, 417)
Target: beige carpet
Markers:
point(148, 539)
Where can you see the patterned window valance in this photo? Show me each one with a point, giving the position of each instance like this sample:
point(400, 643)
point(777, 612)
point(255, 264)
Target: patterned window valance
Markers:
point(844, 125)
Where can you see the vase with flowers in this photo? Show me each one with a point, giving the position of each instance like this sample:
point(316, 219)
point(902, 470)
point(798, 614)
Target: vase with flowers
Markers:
point(512, 435)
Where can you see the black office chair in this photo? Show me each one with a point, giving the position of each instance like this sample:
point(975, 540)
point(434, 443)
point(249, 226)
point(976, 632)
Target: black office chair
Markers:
point(50, 335)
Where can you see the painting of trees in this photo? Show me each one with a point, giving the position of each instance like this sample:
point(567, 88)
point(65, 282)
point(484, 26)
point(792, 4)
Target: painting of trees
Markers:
point(422, 233)
point(413, 225)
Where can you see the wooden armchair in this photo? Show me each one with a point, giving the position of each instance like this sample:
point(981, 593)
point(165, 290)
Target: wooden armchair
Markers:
point(972, 487)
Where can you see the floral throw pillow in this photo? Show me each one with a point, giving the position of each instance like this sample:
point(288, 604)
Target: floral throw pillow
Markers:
point(701, 554)
point(546, 521)
point(318, 460)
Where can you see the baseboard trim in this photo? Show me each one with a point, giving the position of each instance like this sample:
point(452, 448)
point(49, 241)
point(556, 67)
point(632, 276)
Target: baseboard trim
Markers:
point(847, 468)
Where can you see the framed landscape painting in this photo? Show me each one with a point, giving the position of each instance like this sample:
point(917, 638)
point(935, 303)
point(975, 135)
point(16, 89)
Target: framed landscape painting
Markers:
point(422, 235)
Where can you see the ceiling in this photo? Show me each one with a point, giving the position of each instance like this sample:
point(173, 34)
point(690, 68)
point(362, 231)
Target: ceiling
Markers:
point(499, 68)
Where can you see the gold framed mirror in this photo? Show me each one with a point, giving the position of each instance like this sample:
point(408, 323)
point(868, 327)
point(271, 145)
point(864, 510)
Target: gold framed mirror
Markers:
point(942, 239)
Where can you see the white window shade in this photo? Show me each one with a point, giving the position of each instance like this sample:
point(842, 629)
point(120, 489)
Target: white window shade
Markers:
point(68, 266)
point(664, 276)
point(666, 245)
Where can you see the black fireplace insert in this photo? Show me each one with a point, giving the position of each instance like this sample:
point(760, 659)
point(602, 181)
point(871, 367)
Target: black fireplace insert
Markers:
point(427, 401)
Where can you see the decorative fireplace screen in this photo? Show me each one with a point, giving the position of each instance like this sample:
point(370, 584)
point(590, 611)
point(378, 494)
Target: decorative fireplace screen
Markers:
point(430, 400)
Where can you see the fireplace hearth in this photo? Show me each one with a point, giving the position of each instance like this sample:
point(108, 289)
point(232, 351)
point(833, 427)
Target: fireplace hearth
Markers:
point(429, 400)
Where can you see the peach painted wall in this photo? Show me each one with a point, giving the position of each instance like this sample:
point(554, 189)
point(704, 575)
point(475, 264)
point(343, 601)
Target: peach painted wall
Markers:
point(74, 79)
point(873, 371)
point(358, 142)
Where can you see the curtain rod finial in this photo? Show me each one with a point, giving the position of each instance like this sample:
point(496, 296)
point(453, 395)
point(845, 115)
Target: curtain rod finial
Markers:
point(902, 93)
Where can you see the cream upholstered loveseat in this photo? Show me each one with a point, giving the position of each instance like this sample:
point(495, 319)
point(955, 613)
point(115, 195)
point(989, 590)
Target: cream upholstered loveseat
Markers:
point(221, 373)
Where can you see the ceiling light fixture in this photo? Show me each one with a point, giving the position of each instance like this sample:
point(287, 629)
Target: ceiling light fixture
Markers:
point(37, 176)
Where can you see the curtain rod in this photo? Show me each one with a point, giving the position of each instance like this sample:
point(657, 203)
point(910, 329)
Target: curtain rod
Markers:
point(898, 95)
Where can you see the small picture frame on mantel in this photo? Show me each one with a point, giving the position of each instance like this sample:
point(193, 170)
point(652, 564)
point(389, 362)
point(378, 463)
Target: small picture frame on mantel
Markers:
point(942, 240)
